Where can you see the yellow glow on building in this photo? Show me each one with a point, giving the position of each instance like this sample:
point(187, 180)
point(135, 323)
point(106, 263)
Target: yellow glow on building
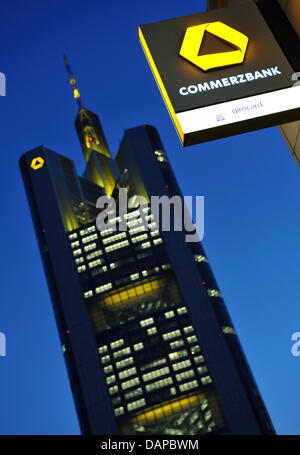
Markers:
point(168, 408)
point(129, 295)
point(76, 93)
point(91, 139)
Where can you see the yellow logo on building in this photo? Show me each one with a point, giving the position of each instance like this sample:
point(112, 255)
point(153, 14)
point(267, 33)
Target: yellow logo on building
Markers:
point(37, 163)
point(193, 38)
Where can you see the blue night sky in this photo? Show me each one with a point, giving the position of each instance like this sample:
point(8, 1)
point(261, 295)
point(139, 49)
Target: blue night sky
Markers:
point(250, 183)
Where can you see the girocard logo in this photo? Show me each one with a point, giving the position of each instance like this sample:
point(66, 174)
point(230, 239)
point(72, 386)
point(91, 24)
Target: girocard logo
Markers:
point(193, 39)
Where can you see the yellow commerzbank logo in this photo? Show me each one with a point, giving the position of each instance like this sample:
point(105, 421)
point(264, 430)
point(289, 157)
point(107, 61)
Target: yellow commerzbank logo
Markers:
point(193, 39)
point(37, 163)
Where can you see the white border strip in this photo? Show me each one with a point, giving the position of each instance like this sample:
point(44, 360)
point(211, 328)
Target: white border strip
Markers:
point(239, 110)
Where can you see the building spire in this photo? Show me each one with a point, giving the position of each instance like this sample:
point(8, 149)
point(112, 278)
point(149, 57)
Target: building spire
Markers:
point(72, 80)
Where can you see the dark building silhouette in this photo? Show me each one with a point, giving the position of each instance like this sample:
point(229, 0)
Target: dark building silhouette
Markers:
point(148, 343)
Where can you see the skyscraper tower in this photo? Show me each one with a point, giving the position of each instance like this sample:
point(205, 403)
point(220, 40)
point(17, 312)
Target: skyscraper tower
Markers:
point(148, 343)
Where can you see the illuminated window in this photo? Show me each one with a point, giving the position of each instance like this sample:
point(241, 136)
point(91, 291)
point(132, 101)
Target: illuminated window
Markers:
point(124, 363)
point(165, 266)
point(117, 343)
point(135, 223)
point(76, 252)
point(154, 364)
point(105, 358)
point(200, 258)
point(116, 246)
point(157, 241)
point(185, 375)
point(202, 370)
point(154, 233)
point(114, 238)
point(147, 322)
point(228, 330)
point(133, 393)
point(178, 354)
point(139, 238)
point(87, 230)
point(90, 247)
point(95, 263)
point(99, 270)
point(144, 245)
point(112, 390)
point(159, 384)
point(73, 236)
point(88, 294)
point(135, 213)
point(94, 254)
point(199, 359)
point(119, 411)
point(170, 335)
point(127, 260)
point(206, 380)
point(176, 344)
point(207, 415)
point(195, 349)
point(131, 383)
point(136, 404)
point(192, 339)
point(169, 314)
point(204, 404)
point(122, 352)
point(110, 379)
point(134, 276)
point(102, 349)
point(160, 156)
point(152, 331)
point(188, 386)
point(103, 288)
point(181, 365)
point(213, 293)
point(116, 400)
point(112, 222)
point(152, 226)
point(79, 260)
point(74, 244)
point(106, 232)
point(188, 329)
point(137, 229)
point(80, 269)
point(89, 238)
point(126, 373)
point(138, 346)
point(156, 374)
point(182, 310)
point(150, 271)
point(108, 369)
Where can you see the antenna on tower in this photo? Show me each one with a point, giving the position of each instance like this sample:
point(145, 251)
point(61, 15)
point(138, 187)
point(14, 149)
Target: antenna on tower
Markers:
point(72, 80)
